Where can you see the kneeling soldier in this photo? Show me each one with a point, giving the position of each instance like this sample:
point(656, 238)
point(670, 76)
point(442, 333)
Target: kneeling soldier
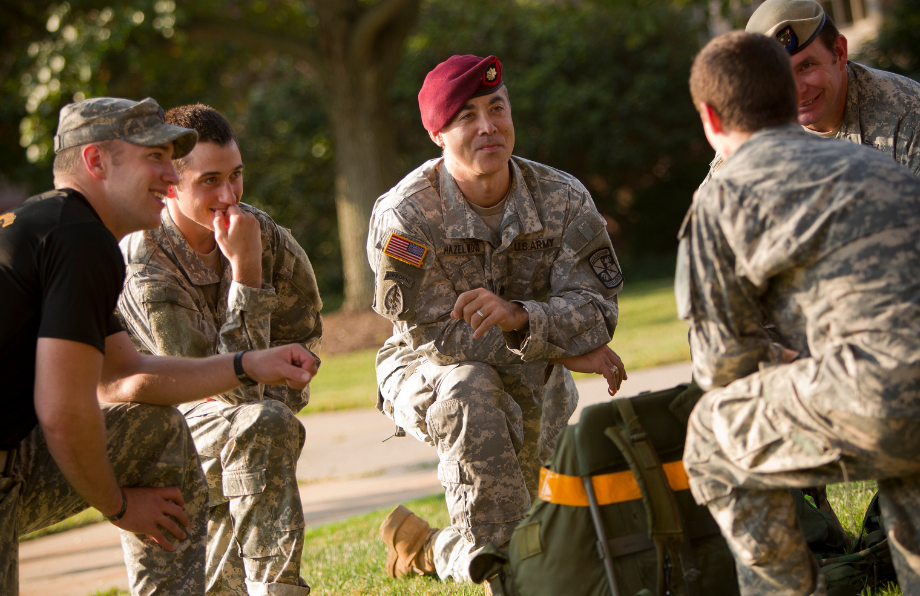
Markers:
point(493, 270)
point(823, 238)
point(218, 276)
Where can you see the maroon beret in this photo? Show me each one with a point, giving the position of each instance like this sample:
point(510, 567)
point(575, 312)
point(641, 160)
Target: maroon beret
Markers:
point(448, 87)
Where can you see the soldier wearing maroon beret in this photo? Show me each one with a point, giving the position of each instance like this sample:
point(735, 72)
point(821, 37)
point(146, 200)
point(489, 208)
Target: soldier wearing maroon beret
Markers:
point(499, 278)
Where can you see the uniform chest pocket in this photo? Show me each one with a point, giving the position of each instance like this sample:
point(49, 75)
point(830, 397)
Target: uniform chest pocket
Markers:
point(465, 272)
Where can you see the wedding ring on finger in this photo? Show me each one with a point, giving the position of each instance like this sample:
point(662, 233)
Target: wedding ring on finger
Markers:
point(616, 371)
point(481, 316)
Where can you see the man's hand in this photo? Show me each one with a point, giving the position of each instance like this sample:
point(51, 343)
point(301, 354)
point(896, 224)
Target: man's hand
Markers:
point(152, 509)
point(240, 240)
point(292, 364)
point(599, 361)
point(483, 310)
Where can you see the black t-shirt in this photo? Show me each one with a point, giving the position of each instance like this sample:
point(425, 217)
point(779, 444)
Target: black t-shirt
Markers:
point(60, 275)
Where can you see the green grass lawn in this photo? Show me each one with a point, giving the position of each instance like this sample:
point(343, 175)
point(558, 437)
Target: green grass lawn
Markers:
point(648, 334)
point(347, 558)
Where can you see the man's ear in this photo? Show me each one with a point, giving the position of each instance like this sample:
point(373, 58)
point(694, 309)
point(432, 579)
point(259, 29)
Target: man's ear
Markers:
point(436, 138)
point(711, 119)
point(94, 162)
point(840, 50)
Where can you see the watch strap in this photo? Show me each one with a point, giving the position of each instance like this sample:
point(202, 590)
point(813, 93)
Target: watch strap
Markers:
point(238, 369)
point(122, 511)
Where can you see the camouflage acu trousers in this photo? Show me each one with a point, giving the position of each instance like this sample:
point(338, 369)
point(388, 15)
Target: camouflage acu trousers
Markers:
point(491, 433)
point(249, 455)
point(148, 446)
point(749, 441)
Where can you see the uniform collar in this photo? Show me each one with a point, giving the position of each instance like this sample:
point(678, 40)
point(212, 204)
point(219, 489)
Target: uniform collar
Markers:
point(460, 221)
point(850, 130)
point(196, 271)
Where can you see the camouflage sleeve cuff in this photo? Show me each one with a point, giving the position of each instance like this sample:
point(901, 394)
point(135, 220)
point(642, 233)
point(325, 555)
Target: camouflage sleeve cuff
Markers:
point(531, 342)
point(259, 301)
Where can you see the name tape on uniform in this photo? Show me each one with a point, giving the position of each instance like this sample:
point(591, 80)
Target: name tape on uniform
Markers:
point(405, 250)
point(461, 248)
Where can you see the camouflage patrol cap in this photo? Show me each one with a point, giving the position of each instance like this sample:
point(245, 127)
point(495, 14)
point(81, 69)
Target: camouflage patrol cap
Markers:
point(104, 118)
point(794, 23)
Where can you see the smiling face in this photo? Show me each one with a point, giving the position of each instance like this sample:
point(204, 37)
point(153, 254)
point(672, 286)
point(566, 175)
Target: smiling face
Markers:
point(140, 180)
point(212, 180)
point(821, 82)
point(479, 139)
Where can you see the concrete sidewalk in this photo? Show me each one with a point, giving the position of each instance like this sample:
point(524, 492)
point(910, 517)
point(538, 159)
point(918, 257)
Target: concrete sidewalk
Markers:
point(345, 470)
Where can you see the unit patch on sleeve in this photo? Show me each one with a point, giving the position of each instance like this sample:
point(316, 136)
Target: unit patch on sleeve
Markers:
point(393, 301)
point(605, 268)
point(405, 250)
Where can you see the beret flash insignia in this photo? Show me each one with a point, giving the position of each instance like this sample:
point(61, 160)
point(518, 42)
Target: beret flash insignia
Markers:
point(788, 39)
point(492, 75)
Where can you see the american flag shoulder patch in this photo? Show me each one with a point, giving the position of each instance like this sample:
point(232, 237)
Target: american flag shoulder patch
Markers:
point(405, 250)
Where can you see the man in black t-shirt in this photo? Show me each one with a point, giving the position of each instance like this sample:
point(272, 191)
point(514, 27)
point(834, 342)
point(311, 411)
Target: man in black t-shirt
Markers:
point(62, 352)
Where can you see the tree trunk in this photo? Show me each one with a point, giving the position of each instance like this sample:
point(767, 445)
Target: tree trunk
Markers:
point(360, 50)
point(357, 52)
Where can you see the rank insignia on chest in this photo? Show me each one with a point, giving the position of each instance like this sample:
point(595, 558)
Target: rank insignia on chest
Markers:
point(605, 268)
point(405, 250)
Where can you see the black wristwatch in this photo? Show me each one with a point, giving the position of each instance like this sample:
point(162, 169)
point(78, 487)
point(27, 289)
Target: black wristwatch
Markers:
point(122, 511)
point(238, 369)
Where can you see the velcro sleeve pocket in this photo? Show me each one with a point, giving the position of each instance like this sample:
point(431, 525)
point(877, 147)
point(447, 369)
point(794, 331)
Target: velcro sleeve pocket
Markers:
point(164, 291)
point(583, 230)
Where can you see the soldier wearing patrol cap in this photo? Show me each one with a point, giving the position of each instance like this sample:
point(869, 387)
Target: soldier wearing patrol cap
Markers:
point(498, 275)
point(838, 98)
point(88, 421)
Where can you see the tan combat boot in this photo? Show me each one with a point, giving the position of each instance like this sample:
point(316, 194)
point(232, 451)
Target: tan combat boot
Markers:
point(407, 535)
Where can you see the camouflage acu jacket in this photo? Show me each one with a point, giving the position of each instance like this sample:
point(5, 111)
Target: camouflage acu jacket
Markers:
point(173, 304)
point(824, 240)
point(882, 111)
point(552, 255)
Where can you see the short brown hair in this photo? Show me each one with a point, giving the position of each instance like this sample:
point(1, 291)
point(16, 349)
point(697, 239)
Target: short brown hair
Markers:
point(828, 35)
point(747, 79)
point(67, 162)
point(207, 122)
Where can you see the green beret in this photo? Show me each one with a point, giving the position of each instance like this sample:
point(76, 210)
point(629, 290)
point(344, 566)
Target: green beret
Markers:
point(794, 23)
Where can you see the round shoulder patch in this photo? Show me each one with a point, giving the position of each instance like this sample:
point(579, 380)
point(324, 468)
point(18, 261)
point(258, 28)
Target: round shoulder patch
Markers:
point(605, 268)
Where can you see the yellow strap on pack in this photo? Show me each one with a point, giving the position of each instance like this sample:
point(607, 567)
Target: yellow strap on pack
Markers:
point(609, 488)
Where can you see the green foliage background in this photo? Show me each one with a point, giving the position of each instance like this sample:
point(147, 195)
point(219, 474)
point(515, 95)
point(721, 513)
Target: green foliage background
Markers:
point(598, 89)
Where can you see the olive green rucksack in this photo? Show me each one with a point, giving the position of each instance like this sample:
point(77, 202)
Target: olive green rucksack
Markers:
point(655, 538)
point(658, 540)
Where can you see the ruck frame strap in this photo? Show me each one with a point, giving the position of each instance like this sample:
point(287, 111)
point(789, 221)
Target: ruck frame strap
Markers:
point(662, 514)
